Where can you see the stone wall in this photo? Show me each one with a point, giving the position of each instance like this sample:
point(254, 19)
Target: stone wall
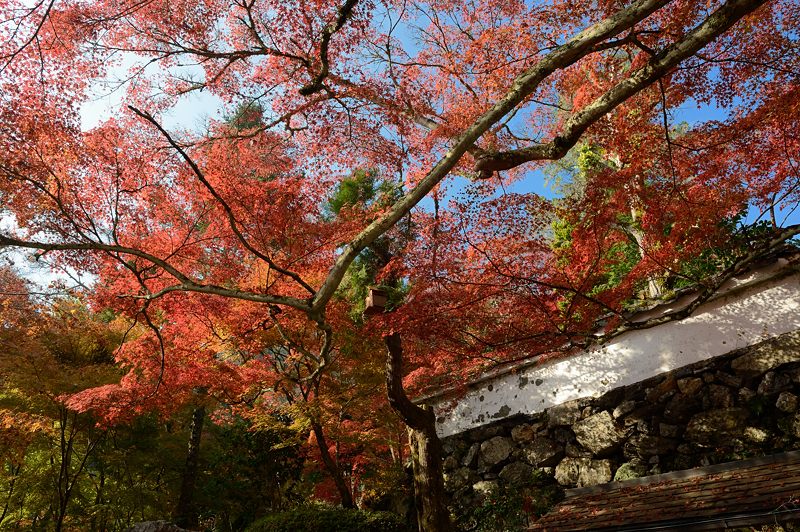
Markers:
point(741, 404)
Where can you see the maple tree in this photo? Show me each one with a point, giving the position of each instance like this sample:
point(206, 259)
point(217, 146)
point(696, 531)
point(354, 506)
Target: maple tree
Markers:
point(62, 469)
point(45, 355)
point(204, 236)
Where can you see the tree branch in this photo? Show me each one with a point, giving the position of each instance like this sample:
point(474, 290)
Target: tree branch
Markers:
point(344, 13)
point(714, 26)
point(413, 415)
point(187, 284)
point(522, 87)
point(224, 204)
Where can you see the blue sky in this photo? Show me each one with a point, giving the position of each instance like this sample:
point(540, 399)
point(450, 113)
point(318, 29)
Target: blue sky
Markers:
point(194, 111)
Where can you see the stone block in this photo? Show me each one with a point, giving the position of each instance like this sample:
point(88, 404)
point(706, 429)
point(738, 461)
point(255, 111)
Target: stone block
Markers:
point(630, 470)
point(623, 408)
point(484, 433)
point(517, 474)
point(485, 488)
point(662, 391)
point(755, 435)
point(716, 426)
point(580, 472)
point(769, 355)
point(574, 450)
point(690, 385)
point(787, 402)
point(495, 450)
point(647, 445)
point(543, 452)
point(563, 434)
point(718, 397)
point(598, 433)
point(564, 414)
point(523, 433)
point(471, 455)
point(449, 445)
point(745, 394)
point(681, 407)
point(155, 526)
point(728, 379)
point(773, 383)
point(458, 479)
point(685, 448)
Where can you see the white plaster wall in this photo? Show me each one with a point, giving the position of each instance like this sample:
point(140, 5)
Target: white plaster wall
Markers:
point(743, 317)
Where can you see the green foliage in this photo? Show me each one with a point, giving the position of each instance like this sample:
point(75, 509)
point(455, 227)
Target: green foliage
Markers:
point(319, 518)
point(247, 116)
point(711, 261)
point(360, 278)
point(572, 177)
point(512, 508)
point(622, 257)
point(364, 189)
point(248, 473)
point(590, 158)
point(57, 465)
point(132, 476)
point(499, 512)
point(562, 236)
point(568, 176)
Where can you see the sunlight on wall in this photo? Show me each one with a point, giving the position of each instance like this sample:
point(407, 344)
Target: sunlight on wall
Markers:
point(750, 309)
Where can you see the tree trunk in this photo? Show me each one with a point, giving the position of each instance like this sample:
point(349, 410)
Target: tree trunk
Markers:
point(654, 287)
point(186, 512)
point(14, 473)
point(426, 448)
point(332, 466)
point(63, 483)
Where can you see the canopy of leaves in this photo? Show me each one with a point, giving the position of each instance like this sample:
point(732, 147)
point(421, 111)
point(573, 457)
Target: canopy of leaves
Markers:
point(226, 250)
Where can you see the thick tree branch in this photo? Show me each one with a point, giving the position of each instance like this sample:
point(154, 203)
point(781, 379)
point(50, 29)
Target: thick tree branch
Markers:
point(342, 15)
point(522, 87)
point(714, 26)
point(414, 416)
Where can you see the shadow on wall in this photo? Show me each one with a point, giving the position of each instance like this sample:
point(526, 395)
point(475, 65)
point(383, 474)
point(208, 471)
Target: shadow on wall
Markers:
point(735, 406)
point(720, 326)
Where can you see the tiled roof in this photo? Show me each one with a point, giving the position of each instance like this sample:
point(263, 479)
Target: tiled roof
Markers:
point(755, 491)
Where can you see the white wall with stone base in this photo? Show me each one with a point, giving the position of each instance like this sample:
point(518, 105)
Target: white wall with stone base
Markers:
point(760, 305)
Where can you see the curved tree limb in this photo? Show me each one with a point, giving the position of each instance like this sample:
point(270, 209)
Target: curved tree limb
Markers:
point(187, 284)
point(524, 86)
point(342, 14)
point(714, 26)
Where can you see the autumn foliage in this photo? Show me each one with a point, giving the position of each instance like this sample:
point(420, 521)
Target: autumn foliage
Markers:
point(674, 121)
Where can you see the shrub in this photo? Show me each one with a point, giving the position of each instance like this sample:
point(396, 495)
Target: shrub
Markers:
point(321, 518)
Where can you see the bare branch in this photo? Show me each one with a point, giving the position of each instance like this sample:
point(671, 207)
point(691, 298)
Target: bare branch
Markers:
point(342, 15)
point(186, 283)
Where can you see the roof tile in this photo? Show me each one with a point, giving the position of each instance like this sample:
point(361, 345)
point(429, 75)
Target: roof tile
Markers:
point(760, 485)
